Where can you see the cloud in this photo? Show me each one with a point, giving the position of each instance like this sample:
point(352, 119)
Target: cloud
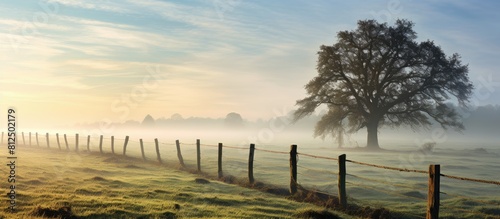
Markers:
point(101, 5)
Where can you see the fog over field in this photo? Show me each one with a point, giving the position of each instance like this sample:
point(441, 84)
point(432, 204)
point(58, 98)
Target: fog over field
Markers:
point(396, 86)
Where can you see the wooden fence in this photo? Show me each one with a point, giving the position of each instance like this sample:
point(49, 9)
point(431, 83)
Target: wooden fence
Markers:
point(433, 173)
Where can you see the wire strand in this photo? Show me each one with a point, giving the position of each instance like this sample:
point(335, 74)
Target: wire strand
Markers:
point(272, 151)
point(471, 179)
point(316, 156)
point(386, 167)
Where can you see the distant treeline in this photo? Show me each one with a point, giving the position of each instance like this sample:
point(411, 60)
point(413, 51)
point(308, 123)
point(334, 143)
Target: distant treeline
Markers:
point(477, 120)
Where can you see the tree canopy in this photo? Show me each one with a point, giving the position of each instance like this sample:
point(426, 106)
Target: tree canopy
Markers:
point(379, 75)
point(233, 120)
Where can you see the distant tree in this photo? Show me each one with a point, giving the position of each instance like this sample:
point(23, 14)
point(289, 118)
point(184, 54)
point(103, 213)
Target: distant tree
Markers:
point(176, 116)
point(379, 75)
point(131, 123)
point(233, 120)
point(148, 121)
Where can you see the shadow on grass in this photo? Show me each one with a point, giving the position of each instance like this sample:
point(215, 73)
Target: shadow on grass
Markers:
point(66, 213)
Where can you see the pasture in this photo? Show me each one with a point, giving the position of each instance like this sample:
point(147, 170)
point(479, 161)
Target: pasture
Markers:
point(51, 182)
point(401, 192)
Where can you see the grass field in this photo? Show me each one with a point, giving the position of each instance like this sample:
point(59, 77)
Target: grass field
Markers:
point(404, 194)
point(107, 186)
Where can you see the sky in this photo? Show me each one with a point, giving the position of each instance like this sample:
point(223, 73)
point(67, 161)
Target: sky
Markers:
point(73, 61)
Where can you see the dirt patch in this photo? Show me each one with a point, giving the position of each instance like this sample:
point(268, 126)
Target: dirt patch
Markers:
point(131, 166)
point(34, 182)
point(63, 212)
point(97, 178)
point(201, 181)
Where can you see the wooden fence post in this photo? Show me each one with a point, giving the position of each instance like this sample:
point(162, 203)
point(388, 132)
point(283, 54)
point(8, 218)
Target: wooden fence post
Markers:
point(57, 140)
point(157, 150)
point(198, 155)
point(293, 169)
point(100, 144)
point(341, 181)
point(219, 162)
point(88, 143)
point(66, 142)
point(179, 154)
point(36, 137)
point(47, 138)
point(30, 138)
point(113, 144)
point(142, 150)
point(250, 164)
point(76, 143)
point(24, 142)
point(433, 195)
point(125, 145)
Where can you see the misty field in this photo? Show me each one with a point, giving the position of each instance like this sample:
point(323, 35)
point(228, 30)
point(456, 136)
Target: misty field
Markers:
point(117, 187)
point(403, 193)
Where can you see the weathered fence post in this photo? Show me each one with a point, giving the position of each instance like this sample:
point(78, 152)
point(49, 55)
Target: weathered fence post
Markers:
point(293, 169)
point(30, 138)
point(157, 150)
point(100, 144)
point(76, 143)
point(433, 195)
point(113, 144)
point(66, 142)
point(179, 154)
point(341, 181)
point(57, 140)
point(88, 143)
point(24, 142)
point(36, 137)
point(219, 162)
point(125, 145)
point(47, 138)
point(198, 155)
point(142, 150)
point(250, 164)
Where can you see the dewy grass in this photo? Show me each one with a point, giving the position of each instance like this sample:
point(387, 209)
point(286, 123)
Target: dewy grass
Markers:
point(62, 184)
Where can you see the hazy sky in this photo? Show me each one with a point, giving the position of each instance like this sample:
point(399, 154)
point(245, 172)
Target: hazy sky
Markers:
point(70, 61)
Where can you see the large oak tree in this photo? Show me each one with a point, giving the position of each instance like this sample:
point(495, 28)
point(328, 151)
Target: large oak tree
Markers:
point(379, 75)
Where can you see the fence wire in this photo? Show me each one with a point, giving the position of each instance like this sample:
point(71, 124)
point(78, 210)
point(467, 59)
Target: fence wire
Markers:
point(317, 156)
point(386, 167)
point(272, 151)
point(471, 179)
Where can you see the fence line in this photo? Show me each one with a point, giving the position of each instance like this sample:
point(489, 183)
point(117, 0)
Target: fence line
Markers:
point(433, 173)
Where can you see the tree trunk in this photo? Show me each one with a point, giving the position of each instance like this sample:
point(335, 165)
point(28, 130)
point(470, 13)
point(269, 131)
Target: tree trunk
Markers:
point(372, 141)
point(341, 138)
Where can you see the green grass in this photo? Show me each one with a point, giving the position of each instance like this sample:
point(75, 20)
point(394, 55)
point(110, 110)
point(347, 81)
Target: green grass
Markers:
point(106, 186)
